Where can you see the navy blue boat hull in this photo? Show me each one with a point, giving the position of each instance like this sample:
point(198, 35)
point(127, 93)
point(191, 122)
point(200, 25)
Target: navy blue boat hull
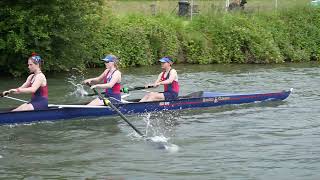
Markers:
point(207, 99)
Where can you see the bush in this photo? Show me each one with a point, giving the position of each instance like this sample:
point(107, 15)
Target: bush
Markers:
point(139, 40)
point(77, 33)
point(56, 29)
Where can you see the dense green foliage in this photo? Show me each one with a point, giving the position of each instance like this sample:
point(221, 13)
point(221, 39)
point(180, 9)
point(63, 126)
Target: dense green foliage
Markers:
point(77, 33)
point(275, 37)
point(289, 35)
point(60, 31)
point(139, 40)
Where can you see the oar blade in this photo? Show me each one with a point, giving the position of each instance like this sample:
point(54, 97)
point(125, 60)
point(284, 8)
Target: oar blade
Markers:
point(160, 142)
point(157, 142)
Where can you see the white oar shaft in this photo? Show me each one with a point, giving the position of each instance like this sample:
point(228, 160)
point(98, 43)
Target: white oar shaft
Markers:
point(146, 91)
point(124, 96)
point(15, 99)
point(74, 106)
point(60, 105)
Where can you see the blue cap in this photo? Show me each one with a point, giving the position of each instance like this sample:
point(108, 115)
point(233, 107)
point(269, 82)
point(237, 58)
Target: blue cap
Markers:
point(166, 60)
point(110, 58)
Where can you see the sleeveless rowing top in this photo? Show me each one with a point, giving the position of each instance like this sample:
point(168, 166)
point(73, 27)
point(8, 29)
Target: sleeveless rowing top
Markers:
point(173, 87)
point(39, 99)
point(115, 90)
point(42, 91)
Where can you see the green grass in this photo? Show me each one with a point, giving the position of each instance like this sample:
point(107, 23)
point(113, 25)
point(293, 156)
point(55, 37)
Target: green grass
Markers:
point(123, 7)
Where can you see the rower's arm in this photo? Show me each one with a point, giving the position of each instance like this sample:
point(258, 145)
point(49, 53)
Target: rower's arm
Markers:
point(157, 82)
point(116, 77)
point(95, 80)
point(17, 90)
point(25, 84)
point(39, 79)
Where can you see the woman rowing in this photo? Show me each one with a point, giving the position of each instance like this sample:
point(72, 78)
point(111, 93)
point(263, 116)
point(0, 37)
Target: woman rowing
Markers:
point(169, 79)
point(36, 84)
point(109, 80)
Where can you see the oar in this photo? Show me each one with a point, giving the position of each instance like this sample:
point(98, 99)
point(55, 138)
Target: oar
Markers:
point(56, 105)
point(5, 95)
point(107, 102)
point(15, 99)
point(127, 90)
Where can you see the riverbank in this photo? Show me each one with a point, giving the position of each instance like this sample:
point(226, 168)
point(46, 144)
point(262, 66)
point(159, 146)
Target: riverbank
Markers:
point(286, 35)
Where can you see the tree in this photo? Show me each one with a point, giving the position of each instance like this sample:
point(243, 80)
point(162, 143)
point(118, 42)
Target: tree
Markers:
point(60, 31)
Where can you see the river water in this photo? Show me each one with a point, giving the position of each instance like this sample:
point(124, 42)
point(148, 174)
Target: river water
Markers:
point(274, 140)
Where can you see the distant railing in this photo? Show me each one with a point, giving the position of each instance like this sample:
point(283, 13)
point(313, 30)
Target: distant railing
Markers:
point(183, 7)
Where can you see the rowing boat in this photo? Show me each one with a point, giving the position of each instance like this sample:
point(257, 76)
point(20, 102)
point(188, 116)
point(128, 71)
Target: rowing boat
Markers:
point(194, 100)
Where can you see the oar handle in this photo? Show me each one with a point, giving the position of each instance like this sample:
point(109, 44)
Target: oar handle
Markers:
point(124, 89)
point(94, 94)
point(5, 93)
point(127, 90)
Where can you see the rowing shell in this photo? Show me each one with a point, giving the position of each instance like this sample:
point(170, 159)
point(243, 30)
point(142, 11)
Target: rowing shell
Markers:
point(195, 100)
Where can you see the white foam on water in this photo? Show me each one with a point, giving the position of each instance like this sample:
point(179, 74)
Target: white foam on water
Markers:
point(25, 124)
point(134, 136)
point(172, 148)
point(1, 156)
point(159, 139)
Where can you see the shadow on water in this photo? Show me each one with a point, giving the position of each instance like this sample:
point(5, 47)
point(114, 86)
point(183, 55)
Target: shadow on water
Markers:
point(60, 131)
point(187, 116)
point(164, 123)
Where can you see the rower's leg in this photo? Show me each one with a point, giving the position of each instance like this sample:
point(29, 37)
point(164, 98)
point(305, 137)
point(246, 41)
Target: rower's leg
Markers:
point(96, 102)
point(145, 98)
point(153, 96)
point(24, 107)
point(157, 97)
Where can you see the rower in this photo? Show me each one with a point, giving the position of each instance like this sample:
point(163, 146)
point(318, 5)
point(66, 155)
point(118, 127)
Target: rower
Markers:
point(109, 80)
point(169, 79)
point(36, 84)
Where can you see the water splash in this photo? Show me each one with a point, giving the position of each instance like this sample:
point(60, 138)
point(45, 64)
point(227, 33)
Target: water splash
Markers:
point(156, 129)
point(147, 121)
point(159, 123)
point(78, 90)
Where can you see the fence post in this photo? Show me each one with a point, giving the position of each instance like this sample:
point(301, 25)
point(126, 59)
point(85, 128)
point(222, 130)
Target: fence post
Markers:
point(227, 4)
point(153, 9)
point(184, 6)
